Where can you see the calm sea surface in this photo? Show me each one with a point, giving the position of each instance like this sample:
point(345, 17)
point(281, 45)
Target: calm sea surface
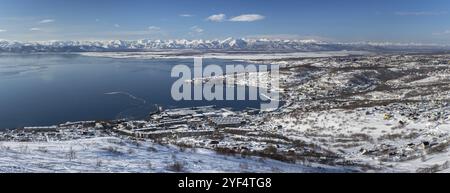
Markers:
point(46, 89)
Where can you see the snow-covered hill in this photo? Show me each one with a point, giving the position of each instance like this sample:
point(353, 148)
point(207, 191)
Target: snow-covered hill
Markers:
point(112, 154)
point(229, 44)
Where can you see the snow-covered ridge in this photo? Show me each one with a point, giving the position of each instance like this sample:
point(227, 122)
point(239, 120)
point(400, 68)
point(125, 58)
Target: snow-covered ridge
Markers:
point(225, 45)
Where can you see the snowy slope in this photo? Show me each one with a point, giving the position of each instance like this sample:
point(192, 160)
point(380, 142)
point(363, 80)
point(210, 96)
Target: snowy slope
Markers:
point(119, 155)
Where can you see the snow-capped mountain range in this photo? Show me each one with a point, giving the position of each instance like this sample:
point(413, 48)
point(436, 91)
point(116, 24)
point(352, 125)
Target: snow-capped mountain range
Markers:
point(229, 44)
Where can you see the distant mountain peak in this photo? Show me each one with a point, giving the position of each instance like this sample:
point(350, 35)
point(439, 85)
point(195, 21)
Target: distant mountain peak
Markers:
point(232, 44)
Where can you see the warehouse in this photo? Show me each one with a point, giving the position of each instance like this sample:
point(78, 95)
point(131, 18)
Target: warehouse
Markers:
point(222, 122)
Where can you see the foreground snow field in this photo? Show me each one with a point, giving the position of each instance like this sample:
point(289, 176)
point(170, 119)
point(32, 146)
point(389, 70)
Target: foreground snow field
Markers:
point(110, 154)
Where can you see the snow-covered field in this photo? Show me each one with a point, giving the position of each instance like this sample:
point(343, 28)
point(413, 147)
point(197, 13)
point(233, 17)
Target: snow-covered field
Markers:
point(110, 154)
point(365, 136)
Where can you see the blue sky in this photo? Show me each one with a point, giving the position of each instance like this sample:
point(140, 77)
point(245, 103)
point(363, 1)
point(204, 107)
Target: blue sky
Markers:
point(422, 21)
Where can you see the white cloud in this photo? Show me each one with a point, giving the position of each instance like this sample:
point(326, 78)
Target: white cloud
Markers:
point(247, 18)
point(2, 30)
point(420, 13)
point(116, 25)
point(195, 30)
point(35, 29)
point(46, 21)
point(153, 28)
point(446, 32)
point(186, 15)
point(241, 18)
point(217, 17)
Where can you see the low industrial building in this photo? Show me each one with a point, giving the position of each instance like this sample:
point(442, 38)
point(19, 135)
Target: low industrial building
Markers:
point(223, 122)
